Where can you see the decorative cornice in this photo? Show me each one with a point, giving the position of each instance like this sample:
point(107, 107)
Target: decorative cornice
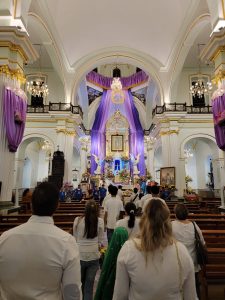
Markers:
point(66, 131)
point(219, 77)
point(169, 132)
point(13, 74)
point(14, 48)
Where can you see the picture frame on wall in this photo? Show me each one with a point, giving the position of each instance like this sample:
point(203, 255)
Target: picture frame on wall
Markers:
point(167, 176)
point(116, 142)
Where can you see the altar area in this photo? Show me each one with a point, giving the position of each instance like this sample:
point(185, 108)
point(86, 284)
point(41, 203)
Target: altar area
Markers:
point(117, 137)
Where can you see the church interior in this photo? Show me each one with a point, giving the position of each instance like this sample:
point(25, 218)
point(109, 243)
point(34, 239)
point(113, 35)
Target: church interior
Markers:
point(116, 92)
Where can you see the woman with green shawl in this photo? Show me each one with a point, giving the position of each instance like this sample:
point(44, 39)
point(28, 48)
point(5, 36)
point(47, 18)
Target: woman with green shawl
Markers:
point(107, 278)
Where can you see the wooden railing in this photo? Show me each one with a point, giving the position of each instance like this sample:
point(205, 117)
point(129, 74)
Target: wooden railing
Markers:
point(181, 107)
point(58, 106)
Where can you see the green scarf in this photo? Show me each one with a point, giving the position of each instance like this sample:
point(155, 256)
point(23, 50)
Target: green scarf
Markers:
point(108, 274)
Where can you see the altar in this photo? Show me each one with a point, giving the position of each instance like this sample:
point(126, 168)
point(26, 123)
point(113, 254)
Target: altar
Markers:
point(117, 137)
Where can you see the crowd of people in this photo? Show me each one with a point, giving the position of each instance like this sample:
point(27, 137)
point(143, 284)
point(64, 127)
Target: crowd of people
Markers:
point(148, 256)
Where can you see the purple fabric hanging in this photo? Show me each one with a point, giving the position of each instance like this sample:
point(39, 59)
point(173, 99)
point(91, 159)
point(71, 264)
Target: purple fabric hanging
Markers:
point(127, 82)
point(14, 108)
point(218, 108)
point(105, 110)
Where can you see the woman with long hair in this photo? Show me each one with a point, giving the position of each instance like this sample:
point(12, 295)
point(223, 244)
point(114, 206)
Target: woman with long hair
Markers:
point(154, 265)
point(130, 222)
point(107, 278)
point(89, 233)
point(184, 231)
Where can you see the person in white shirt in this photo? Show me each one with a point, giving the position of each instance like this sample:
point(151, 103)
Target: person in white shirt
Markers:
point(153, 193)
point(37, 259)
point(120, 192)
point(107, 196)
point(130, 222)
point(113, 211)
point(154, 265)
point(146, 197)
point(134, 197)
point(89, 233)
point(184, 231)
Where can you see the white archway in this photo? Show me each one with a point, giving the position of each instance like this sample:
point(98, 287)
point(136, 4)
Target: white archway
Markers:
point(201, 159)
point(127, 55)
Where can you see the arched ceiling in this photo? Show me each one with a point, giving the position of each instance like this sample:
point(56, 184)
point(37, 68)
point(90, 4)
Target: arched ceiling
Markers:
point(155, 28)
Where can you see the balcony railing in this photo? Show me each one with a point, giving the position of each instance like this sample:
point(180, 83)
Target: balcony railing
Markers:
point(59, 106)
point(180, 107)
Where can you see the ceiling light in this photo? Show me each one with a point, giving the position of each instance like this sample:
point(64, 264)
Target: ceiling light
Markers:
point(37, 87)
point(200, 88)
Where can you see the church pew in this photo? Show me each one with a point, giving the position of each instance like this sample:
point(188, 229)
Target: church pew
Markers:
point(24, 217)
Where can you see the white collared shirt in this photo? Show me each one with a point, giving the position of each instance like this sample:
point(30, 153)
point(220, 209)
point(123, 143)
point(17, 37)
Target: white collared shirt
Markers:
point(113, 208)
point(39, 261)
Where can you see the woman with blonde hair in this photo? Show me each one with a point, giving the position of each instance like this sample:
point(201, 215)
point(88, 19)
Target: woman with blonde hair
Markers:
point(154, 265)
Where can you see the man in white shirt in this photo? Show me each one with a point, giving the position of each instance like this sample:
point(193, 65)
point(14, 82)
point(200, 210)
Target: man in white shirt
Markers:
point(120, 192)
point(154, 190)
point(113, 211)
point(37, 259)
point(145, 197)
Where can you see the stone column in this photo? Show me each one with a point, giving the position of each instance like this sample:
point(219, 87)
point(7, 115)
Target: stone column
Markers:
point(84, 147)
point(214, 51)
point(15, 50)
point(180, 177)
point(65, 138)
point(18, 177)
point(150, 155)
point(221, 166)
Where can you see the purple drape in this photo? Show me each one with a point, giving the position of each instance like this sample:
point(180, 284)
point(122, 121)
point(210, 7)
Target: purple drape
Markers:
point(14, 108)
point(218, 108)
point(105, 110)
point(127, 82)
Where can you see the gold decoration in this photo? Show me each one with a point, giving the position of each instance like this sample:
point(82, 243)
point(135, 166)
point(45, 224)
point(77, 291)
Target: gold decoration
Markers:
point(169, 132)
point(219, 77)
point(15, 48)
point(66, 131)
point(13, 74)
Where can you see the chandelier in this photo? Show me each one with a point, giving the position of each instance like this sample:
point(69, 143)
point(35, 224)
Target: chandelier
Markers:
point(46, 146)
point(37, 87)
point(200, 88)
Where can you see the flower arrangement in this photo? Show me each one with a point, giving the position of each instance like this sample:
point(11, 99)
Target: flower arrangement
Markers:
point(124, 174)
point(125, 158)
point(188, 179)
point(109, 158)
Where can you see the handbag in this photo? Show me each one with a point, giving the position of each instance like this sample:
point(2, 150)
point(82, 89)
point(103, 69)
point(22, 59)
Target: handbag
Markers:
point(201, 250)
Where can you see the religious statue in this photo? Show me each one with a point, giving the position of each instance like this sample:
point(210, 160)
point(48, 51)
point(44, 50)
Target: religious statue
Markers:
point(99, 164)
point(135, 161)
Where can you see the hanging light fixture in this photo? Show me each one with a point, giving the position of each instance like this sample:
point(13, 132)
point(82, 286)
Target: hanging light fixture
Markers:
point(37, 87)
point(199, 88)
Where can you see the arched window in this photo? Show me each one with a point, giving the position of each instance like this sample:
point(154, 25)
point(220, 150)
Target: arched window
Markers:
point(116, 72)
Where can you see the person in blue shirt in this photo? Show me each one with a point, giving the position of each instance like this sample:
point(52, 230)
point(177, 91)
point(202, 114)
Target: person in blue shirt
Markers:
point(96, 193)
point(62, 195)
point(102, 193)
point(78, 193)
